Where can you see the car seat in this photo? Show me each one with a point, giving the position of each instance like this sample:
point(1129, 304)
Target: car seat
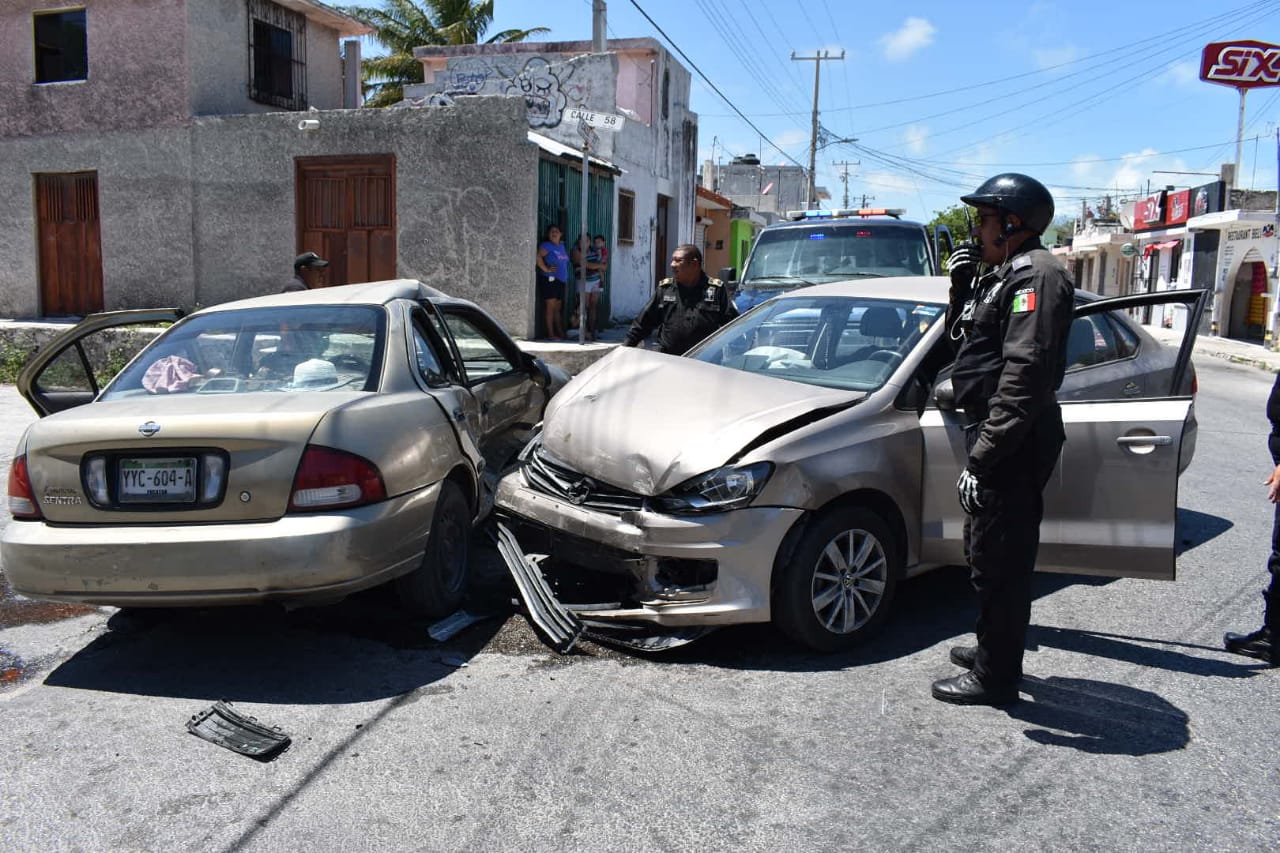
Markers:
point(880, 323)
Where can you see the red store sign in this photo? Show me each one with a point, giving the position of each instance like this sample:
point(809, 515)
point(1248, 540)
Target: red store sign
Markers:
point(1242, 64)
point(1177, 207)
point(1146, 213)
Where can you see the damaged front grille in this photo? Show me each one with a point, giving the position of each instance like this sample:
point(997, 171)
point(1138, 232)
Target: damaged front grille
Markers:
point(549, 475)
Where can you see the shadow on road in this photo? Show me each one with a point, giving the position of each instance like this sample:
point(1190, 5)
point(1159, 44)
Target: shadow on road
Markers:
point(1100, 718)
point(1196, 528)
point(355, 651)
point(1132, 650)
point(928, 610)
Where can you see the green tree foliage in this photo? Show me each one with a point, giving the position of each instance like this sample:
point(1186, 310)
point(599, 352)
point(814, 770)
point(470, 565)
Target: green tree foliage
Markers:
point(957, 218)
point(402, 25)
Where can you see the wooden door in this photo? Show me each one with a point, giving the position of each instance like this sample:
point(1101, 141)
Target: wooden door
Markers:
point(70, 244)
point(346, 215)
point(661, 252)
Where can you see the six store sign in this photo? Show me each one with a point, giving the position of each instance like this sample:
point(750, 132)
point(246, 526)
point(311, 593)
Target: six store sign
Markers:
point(1242, 64)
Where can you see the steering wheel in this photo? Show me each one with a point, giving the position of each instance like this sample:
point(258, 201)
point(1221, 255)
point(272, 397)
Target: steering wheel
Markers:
point(890, 357)
point(347, 361)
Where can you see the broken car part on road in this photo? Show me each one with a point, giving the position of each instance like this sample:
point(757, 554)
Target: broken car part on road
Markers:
point(225, 726)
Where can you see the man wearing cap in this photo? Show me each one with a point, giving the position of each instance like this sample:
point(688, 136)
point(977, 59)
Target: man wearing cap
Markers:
point(305, 261)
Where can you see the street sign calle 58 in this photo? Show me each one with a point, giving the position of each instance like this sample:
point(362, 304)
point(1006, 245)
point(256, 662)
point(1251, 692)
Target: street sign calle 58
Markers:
point(1242, 64)
point(603, 121)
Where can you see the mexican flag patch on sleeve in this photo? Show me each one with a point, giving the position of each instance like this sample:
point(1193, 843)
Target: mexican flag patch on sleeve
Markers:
point(1024, 300)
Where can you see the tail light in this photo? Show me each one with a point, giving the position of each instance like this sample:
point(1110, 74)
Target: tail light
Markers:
point(334, 479)
point(22, 500)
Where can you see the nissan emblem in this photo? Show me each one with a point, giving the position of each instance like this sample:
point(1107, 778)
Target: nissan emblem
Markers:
point(149, 429)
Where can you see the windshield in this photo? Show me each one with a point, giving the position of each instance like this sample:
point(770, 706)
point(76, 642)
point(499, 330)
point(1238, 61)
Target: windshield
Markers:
point(831, 252)
point(288, 348)
point(847, 342)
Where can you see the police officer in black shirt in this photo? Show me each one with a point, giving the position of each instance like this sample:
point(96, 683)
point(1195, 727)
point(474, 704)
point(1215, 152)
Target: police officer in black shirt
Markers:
point(684, 309)
point(1262, 642)
point(1009, 317)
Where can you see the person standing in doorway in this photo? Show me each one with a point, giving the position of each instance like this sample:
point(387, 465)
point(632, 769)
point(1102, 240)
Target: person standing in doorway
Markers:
point(553, 273)
point(1009, 316)
point(590, 267)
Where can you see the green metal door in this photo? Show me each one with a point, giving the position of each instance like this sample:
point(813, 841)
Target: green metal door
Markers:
point(560, 203)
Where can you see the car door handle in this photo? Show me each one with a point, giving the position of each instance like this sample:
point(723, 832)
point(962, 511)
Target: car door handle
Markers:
point(459, 415)
point(1143, 440)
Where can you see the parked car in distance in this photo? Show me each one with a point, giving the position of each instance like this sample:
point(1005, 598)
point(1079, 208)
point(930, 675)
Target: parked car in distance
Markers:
point(294, 447)
point(796, 465)
point(821, 246)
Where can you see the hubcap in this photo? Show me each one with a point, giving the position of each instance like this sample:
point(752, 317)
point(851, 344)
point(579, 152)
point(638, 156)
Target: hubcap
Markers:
point(849, 581)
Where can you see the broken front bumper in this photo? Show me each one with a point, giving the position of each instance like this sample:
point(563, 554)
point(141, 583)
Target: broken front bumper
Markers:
point(712, 569)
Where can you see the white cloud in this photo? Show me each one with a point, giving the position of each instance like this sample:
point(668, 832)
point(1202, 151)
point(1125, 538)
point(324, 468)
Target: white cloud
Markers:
point(1137, 169)
point(1181, 74)
point(914, 34)
point(1049, 57)
point(915, 137)
point(791, 138)
point(1084, 166)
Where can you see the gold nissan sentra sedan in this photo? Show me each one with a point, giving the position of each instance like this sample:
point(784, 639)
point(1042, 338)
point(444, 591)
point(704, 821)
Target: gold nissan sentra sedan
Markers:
point(802, 460)
point(294, 447)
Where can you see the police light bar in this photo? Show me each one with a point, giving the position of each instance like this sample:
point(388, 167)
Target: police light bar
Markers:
point(842, 213)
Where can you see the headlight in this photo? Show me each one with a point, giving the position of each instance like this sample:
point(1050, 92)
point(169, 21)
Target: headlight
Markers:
point(730, 487)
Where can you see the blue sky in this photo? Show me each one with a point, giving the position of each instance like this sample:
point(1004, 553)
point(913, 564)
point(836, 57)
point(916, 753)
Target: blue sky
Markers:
point(1087, 96)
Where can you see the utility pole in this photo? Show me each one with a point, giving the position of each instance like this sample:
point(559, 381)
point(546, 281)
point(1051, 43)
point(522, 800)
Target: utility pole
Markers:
point(866, 198)
point(844, 176)
point(817, 59)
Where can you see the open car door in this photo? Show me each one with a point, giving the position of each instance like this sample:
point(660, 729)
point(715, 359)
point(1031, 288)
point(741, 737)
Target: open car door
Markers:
point(68, 372)
point(1111, 505)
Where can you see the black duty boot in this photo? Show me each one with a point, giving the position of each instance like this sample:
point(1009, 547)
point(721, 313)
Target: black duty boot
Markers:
point(964, 656)
point(1255, 645)
point(968, 689)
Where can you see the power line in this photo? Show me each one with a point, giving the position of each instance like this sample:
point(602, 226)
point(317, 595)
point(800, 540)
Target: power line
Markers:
point(713, 86)
point(1197, 25)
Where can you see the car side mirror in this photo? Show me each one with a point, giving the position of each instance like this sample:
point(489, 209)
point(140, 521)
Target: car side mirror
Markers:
point(944, 395)
point(538, 372)
point(728, 274)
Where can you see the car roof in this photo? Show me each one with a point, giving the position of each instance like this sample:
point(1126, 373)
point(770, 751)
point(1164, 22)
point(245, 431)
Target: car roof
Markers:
point(910, 288)
point(367, 293)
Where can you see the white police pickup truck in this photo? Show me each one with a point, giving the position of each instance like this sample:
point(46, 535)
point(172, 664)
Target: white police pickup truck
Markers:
point(817, 246)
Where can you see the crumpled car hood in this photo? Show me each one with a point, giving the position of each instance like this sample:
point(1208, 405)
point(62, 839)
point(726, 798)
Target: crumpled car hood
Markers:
point(645, 421)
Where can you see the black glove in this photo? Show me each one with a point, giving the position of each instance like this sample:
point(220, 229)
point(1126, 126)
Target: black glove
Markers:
point(970, 491)
point(962, 266)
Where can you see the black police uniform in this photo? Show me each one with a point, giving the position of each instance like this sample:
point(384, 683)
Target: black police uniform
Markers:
point(1012, 336)
point(683, 316)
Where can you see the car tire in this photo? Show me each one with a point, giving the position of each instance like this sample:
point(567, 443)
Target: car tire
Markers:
point(835, 590)
point(435, 588)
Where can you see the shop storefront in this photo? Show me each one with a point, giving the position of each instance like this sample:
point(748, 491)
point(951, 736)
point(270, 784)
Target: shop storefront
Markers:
point(1244, 276)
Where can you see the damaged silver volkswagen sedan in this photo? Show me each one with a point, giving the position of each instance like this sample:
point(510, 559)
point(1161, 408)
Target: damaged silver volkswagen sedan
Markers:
point(294, 447)
point(799, 463)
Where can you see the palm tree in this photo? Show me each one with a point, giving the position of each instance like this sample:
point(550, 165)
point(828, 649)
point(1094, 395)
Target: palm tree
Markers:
point(402, 25)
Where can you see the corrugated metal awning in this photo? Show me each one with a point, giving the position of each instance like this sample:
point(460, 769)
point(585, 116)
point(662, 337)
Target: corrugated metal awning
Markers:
point(558, 149)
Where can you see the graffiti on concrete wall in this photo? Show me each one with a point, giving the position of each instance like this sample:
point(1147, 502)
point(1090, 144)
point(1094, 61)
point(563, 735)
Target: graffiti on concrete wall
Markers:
point(461, 247)
point(546, 87)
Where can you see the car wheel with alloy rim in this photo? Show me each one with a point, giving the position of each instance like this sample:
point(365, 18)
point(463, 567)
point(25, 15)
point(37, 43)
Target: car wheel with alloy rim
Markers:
point(835, 590)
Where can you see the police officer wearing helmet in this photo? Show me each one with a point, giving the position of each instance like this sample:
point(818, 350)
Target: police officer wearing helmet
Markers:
point(1009, 317)
point(685, 308)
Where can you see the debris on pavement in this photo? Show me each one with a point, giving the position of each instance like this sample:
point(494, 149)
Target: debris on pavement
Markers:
point(648, 638)
point(456, 661)
point(452, 624)
point(227, 727)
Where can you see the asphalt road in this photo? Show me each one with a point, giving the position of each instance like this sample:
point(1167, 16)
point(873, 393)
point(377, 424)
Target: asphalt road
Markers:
point(1136, 732)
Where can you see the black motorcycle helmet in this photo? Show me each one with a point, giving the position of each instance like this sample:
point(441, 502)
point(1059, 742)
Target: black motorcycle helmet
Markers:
point(1018, 194)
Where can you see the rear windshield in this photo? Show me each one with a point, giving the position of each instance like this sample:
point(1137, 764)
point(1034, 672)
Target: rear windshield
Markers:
point(294, 349)
point(831, 252)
